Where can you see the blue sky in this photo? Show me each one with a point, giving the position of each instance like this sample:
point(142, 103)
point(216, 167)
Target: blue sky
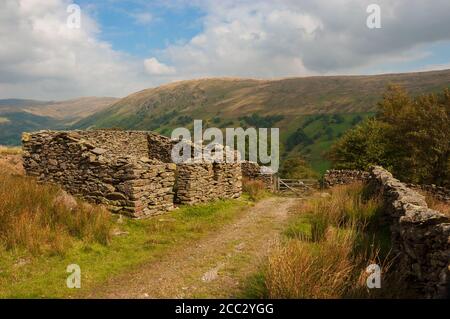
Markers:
point(142, 28)
point(124, 46)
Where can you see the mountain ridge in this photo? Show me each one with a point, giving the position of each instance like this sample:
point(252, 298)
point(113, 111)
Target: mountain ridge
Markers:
point(311, 112)
point(18, 115)
point(233, 97)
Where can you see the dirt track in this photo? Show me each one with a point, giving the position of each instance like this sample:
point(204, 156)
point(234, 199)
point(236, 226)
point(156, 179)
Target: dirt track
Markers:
point(214, 267)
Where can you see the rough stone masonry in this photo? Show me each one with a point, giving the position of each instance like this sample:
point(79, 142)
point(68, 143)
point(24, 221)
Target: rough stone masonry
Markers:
point(131, 172)
point(420, 236)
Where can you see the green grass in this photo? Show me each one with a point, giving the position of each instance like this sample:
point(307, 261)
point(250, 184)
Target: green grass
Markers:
point(299, 228)
point(315, 127)
point(25, 276)
point(322, 142)
point(324, 250)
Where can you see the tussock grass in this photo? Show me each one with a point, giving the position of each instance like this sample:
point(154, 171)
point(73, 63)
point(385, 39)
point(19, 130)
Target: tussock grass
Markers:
point(255, 189)
point(33, 217)
point(328, 245)
point(436, 204)
point(141, 241)
point(346, 208)
point(301, 270)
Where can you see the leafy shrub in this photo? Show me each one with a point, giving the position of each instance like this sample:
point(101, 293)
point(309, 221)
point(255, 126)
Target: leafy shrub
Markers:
point(356, 120)
point(410, 137)
point(296, 168)
point(184, 120)
point(362, 147)
point(258, 121)
point(299, 137)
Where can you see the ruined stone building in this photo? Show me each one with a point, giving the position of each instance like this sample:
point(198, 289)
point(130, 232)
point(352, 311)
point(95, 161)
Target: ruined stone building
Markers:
point(131, 172)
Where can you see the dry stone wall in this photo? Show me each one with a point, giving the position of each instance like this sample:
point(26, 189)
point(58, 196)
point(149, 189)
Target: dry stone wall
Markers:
point(129, 171)
point(201, 182)
point(117, 142)
point(252, 170)
point(160, 147)
point(420, 235)
point(343, 177)
point(229, 177)
point(129, 185)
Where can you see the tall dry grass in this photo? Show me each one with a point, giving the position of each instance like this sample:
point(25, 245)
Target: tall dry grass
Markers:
point(302, 270)
point(10, 150)
point(436, 204)
point(33, 217)
point(331, 261)
point(345, 208)
point(256, 189)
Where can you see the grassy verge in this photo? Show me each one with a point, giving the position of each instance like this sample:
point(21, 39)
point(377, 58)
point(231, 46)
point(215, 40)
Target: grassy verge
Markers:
point(41, 234)
point(326, 249)
point(255, 189)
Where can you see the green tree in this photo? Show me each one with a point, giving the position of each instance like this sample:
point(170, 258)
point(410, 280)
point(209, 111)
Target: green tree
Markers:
point(357, 119)
point(296, 168)
point(410, 136)
point(299, 137)
point(362, 147)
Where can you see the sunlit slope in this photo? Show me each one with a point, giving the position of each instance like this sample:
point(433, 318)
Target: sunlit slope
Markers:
point(292, 104)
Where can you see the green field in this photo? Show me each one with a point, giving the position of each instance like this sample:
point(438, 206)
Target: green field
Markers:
point(321, 132)
point(44, 276)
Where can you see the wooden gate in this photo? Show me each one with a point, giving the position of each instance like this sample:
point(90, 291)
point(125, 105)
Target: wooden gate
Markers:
point(296, 186)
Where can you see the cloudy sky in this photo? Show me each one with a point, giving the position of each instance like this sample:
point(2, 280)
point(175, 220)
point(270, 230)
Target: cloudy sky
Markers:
point(125, 46)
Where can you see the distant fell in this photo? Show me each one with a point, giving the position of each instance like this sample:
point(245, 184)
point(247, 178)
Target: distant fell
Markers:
point(18, 115)
point(311, 112)
point(232, 98)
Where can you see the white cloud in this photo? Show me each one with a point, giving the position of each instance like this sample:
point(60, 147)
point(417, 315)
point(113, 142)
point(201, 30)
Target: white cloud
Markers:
point(154, 67)
point(40, 57)
point(265, 38)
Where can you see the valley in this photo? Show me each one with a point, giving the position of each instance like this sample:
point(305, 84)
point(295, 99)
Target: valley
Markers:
point(312, 112)
point(19, 115)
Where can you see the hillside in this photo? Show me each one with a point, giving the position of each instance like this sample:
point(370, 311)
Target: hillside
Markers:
point(18, 115)
point(13, 104)
point(312, 112)
point(71, 110)
point(12, 124)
